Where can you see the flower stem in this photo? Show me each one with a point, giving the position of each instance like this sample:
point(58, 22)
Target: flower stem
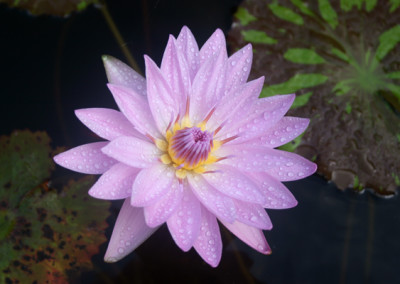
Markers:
point(118, 37)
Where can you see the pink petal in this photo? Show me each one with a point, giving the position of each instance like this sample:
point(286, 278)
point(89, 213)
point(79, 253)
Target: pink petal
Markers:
point(87, 159)
point(281, 165)
point(284, 131)
point(277, 195)
point(187, 46)
point(215, 44)
point(208, 244)
point(130, 231)
point(162, 102)
point(118, 73)
point(234, 183)
point(255, 117)
point(116, 183)
point(295, 167)
point(219, 204)
point(252, 236)
point(136, 109)
point(184, 224)
point(132, 151)
point(253, 215)
point(158, 212)
point(232, 102)
point(239, 65)
point(208, 87)
point(151, 184)
point(107, 123)
point(176, 73)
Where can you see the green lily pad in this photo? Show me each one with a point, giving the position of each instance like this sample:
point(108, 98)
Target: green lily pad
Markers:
point(347, 55)
point(46, 234)
point(61, 8)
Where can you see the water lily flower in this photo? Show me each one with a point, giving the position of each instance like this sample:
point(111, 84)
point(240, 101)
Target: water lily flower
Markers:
point(191, 144)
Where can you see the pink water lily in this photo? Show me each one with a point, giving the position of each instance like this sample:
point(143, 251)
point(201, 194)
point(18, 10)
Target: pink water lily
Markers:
point(192, 144)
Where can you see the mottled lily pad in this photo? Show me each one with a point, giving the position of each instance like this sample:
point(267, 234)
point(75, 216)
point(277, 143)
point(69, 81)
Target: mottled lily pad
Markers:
point(342, 59)
point(61, 8)
point(46, 235)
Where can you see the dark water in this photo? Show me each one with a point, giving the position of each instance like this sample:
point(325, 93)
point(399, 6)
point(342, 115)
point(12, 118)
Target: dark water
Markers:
point(51, 66)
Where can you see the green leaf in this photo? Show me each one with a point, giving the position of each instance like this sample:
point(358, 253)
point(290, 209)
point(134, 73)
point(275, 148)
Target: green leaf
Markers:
point(387, 41)
point(328, 13)
point(81, 6)
point(395, 5)
point(286, 14)
point(44, 233)
point(303, 7)
point(395, 89)
point(348, 108)
point(244, 16)
point(370, 5)
point(396, 177)
point(301, 100)
point(258, 37)
point(303, 56)
point(297, 82)
point(393, 75)
point(343, 87)
point(292, 145)
point(340, 54)
point(347, 5)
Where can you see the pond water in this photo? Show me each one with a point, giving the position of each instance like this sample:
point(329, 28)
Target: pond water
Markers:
point(52, 66)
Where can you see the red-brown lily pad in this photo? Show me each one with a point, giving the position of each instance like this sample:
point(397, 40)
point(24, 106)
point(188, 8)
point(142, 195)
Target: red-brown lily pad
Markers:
point(46, 234)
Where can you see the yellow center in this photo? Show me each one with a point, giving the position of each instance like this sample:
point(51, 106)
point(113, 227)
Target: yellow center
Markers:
point(182, 165)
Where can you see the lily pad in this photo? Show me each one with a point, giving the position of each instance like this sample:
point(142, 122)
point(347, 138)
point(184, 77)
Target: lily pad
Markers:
point(342, 59)
point(61, 8)
point(46, 234)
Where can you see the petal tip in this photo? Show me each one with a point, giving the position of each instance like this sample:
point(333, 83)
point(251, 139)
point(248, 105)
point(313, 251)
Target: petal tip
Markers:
point(57, 159)
point(110, 259)
point(105, 57)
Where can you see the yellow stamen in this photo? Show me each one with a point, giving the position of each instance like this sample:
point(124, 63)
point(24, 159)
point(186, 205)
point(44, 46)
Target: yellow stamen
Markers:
point(165, 159)
point(216, 145)
point(181, 173)
point(161, 144)
point(186, 122)
point(199, 170)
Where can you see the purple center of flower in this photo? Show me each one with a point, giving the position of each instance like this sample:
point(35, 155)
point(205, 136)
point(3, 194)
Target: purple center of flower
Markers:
point(190, 146)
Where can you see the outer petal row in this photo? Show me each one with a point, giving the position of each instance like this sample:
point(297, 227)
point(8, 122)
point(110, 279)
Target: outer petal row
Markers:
point(208, 243)
point(116, 183)
point(151, 184)
point(255, 117)
point(252, 236)
point(219, 204)
point(132, 151)
point(118, 73)
point(87, 159)
point(136, 109)
point(282, 165)
point(184, 224)
point(107, 123)
point(130, 231)
point(187, 46)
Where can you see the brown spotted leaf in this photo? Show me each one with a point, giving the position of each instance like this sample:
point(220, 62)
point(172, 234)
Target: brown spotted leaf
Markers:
point(46, 235)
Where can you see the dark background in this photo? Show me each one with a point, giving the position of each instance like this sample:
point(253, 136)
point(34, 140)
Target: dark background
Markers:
point(51, 66)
